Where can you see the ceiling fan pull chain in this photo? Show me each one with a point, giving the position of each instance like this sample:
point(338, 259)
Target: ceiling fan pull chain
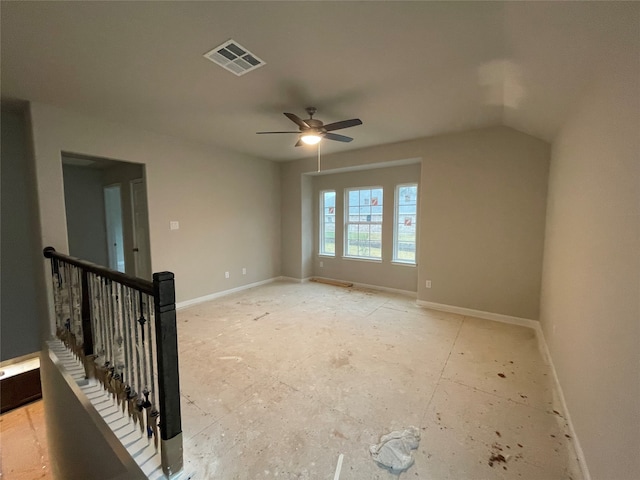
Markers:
point(319, 156)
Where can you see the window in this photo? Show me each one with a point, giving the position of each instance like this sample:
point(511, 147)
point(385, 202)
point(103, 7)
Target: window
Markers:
point(328, 223)
point(363, 222)
point(406, 216)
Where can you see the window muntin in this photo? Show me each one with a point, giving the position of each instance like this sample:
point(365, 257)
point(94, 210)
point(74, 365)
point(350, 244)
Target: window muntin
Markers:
point(328, 223)
point(404, 229)
point(363, 225)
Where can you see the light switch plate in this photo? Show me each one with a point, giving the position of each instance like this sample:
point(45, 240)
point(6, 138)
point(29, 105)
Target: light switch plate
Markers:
point(173, 225)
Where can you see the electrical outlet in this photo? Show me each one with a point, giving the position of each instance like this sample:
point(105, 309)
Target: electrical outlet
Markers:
point(428, 284)
point(226, 274)
point(321, 264)
point(173, 225)
point(244, 271)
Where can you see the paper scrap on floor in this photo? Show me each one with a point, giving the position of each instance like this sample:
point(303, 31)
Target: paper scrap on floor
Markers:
point(394, 449)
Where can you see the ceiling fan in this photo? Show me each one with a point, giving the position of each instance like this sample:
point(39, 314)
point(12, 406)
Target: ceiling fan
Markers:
point(311, 131)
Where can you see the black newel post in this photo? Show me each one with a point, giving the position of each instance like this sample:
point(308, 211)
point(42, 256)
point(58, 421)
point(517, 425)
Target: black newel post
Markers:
point(168, 380)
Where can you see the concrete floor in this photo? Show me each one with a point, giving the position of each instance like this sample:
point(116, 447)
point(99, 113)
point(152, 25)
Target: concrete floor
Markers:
point(23, 444)
point(279, 380)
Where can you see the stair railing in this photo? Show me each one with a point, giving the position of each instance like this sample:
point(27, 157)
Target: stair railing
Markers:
point(123, 330)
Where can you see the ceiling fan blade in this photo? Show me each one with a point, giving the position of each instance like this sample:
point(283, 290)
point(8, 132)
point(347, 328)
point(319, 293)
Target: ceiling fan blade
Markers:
point(297, 120)
point(339, 138)
point(343, 124)
point(262, 133)
point(299, 143)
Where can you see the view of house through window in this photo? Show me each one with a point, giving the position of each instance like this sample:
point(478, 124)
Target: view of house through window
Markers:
point(406, 216)
point(328, 222)
point(363, 225)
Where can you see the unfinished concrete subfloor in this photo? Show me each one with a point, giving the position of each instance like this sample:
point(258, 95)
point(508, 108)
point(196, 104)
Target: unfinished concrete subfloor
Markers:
point(279, 380)
point(24, 453)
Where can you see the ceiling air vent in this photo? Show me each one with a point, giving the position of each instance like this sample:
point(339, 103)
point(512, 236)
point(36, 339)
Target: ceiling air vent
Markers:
point(234, 57)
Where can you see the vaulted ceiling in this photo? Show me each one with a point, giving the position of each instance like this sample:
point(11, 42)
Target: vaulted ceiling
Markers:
point(407, 69)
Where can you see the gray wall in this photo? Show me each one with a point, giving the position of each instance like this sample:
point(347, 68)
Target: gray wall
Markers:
point(483, 209)
point(384, 273)
point(591, 283)
point(20, 330)
point(84, 208)
point(481, 216)
point(228, 205)
point(292, 238)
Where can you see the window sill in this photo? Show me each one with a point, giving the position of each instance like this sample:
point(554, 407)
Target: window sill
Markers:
point(361, 259)
point(326, 255)
point(404, 264)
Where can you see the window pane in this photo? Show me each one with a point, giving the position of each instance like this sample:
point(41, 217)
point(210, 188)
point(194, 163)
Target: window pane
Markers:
point(329, 199)
point(327, 223)
point(406, 209)
point(363, 229)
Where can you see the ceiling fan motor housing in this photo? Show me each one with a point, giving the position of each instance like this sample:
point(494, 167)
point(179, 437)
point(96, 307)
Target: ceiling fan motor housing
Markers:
point(314, 125)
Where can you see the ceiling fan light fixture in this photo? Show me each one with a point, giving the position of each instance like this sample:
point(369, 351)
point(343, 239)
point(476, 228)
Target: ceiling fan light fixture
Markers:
point(310, 138)
point(311, 131)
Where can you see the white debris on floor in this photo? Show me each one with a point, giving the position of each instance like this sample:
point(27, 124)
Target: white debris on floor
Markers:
point(394, 449)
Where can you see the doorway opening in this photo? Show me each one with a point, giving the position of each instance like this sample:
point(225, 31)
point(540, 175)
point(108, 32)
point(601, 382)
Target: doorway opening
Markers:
point(107, 213)
point(113, 216)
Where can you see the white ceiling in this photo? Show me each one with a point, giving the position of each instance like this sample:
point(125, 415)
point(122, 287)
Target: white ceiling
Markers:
point(407, 69)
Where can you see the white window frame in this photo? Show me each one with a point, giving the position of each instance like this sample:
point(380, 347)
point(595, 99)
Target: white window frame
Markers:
point(322, 225)
point(400, 218)
point(348, 222)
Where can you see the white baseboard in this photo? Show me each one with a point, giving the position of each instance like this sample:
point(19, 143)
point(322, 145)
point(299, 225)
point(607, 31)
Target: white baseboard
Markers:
point(371, 287)
point(211, 296)
point(544, 350)
point(496, 317)
point(294, 280)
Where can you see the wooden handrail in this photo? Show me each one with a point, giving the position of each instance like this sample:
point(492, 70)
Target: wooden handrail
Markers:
point(140, 284)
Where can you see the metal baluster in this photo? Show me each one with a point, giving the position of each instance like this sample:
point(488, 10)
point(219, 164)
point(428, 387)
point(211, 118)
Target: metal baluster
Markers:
point(119, 360)
point(146, 404)
point(137, 325)
point(95, 324)
point(73, 298)
point(67, 304)
point(107, 319)
point(87, 328)
point(77, 317)
point(65, 299)
point(69, 310)
point(104, 361)
point(132, 395)
point(56, 282)
point(112, 338)
point(127, 350)
point(152, 428)
point(151, 347)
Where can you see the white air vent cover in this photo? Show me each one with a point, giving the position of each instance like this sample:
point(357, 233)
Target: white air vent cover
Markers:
point(234, 57)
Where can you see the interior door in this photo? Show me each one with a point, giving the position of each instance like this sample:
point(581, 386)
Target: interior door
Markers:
point(140, 217)
point(113, 218)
